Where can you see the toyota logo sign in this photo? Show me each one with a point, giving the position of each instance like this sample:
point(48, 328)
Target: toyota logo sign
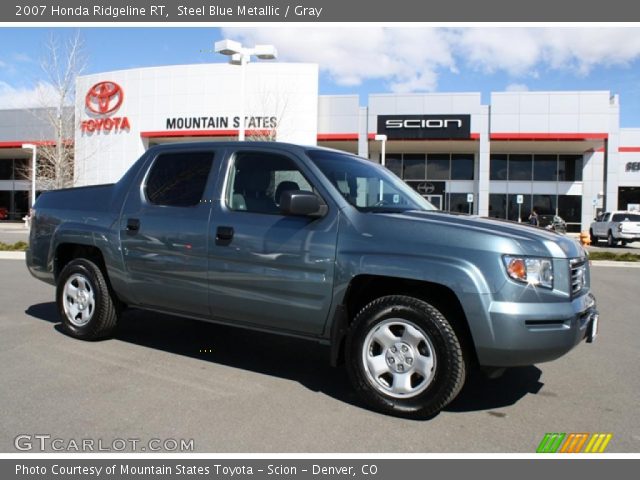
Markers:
point(101, 101)
point(104, 98)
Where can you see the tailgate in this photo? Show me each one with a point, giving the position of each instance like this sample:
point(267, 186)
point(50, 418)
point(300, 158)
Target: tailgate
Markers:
point(632, 228)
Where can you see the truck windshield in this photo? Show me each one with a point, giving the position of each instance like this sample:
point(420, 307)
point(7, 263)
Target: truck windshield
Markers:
point(365, 185)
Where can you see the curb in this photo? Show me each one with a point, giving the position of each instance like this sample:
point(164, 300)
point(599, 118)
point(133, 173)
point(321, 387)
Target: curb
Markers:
point(12, 255)
point(611, 263)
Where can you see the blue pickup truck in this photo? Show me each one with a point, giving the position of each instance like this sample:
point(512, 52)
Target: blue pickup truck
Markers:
point(317, 244)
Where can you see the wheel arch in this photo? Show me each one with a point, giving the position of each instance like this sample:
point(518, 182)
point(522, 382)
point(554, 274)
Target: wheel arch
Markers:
point(365, 288)
point(66, 252)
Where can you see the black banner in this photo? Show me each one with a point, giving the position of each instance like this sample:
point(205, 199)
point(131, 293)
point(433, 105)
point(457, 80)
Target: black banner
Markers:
point(222, 11)
point(303, 469)
point(424, 127)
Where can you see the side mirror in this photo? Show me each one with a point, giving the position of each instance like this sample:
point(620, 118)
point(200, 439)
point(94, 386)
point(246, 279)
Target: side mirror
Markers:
point(302, 203)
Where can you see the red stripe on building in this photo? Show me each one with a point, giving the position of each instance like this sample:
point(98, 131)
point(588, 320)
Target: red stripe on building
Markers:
point(19, 144)
point(337, 137)
point(200, 133)
point(345, 137)
point(549, 137)
point(629, 149)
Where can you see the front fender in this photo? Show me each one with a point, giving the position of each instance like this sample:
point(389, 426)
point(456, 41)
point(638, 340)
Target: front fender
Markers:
point(463, 278)
point(459, 275)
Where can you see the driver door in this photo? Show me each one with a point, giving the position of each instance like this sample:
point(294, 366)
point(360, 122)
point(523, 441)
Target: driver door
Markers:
point(267, 269)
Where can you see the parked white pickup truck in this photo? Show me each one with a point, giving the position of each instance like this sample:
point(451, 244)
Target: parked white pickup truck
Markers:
point(618, 226)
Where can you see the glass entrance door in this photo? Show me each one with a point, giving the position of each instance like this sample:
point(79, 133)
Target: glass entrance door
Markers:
point(436, 200)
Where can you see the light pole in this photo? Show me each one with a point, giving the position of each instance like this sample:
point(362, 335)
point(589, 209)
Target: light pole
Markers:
point(240, 55)
point(34, 150)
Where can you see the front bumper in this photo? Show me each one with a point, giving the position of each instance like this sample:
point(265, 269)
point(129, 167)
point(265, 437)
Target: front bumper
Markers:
point(529, 333)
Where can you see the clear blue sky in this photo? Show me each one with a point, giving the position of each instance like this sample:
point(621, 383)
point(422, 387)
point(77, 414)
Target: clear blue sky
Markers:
point(367, 60)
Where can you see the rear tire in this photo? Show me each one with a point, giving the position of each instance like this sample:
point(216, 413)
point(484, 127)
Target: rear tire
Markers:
point(611, 242)
point(404, 358)
point(85, 302)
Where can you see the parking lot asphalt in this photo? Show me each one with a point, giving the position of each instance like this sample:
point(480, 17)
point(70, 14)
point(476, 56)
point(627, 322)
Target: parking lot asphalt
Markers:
point(232, 390)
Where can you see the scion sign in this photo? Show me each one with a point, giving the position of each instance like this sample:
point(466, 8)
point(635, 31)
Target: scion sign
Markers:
point(411, 127)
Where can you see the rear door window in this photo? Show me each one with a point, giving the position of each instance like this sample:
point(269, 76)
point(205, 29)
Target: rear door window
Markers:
point(178, 179)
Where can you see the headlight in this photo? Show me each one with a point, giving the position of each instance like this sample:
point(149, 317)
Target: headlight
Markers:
point(530, 270)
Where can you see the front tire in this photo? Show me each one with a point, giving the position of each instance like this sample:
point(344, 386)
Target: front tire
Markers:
point(85, 303)
point(593, 238)
point(404, 358)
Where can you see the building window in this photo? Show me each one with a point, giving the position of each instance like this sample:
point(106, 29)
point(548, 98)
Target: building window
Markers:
point(520, 167)
point(545, 204)
point(438, 166)
point(545, 168)
point(570, 208)
point(21, 204)
point(462, 166)
point(414, 167)
point(498, 205)
point(15, 169)
point(434, 166)
point(6, 169)
point(628, 195)
point(498, 167)
point(394, 163)
point(22, 169)
point(570, 168)
point(539, 168)
point(458, 203)
point(5, 204)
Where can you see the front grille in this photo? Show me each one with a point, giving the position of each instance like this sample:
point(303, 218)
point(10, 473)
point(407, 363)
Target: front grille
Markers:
point(578, 274)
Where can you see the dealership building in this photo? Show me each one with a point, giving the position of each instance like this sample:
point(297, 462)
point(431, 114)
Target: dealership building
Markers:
point(560, 152)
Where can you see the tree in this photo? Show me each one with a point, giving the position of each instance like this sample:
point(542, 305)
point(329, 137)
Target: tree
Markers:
point(276, 105)
point(63, 62)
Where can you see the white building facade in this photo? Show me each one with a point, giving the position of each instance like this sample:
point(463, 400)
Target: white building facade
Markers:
point(561, 153)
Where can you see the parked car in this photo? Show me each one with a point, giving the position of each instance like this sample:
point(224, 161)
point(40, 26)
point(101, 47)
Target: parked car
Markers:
point(616, 227)
point(4, 213)
point(317, 244)
point(552, 222)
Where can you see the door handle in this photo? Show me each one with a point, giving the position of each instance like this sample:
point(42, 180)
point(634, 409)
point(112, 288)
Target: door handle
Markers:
point(224, 235)
point(133, 225)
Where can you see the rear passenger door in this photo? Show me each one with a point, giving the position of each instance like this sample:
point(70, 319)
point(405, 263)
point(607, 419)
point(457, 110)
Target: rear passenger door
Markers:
point(164, 229)
point(267, 269)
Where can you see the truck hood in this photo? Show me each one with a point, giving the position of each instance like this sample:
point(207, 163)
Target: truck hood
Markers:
point(493, 233)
